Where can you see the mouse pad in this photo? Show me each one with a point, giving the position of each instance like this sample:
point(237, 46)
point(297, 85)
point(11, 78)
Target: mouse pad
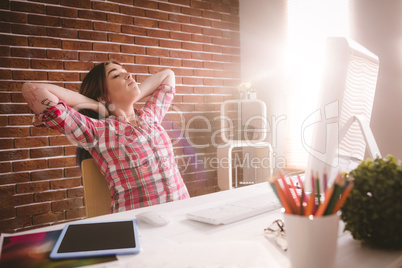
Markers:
point(89, 239)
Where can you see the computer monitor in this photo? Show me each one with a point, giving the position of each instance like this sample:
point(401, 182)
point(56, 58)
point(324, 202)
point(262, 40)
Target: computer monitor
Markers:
point(340, 125)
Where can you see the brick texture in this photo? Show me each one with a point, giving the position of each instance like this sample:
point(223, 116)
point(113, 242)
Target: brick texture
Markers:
point(60, 41)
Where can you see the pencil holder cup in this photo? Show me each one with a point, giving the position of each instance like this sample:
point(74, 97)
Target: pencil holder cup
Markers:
point(311, 241)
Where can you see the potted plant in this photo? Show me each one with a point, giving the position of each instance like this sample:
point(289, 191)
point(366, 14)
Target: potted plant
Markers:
point(246, 91)
point(373, 210)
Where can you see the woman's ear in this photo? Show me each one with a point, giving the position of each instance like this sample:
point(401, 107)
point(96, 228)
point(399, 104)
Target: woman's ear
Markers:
point(106, 102)
point(102, 99)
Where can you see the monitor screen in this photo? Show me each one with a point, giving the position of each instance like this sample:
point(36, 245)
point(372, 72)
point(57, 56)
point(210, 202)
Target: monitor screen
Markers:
point(345, 104)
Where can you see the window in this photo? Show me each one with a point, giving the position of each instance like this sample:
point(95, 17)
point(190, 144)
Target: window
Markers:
point(310, 22)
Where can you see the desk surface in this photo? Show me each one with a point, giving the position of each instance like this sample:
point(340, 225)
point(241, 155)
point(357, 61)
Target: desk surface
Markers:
point(186, 243)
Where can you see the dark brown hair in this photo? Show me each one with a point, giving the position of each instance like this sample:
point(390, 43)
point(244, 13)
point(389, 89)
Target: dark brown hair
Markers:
point(93, 87)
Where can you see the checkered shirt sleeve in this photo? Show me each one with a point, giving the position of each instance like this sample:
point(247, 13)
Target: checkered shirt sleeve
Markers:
point(159, 102)
point(78, 128)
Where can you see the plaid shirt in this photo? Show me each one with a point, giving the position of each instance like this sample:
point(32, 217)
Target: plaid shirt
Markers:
point(137, 161)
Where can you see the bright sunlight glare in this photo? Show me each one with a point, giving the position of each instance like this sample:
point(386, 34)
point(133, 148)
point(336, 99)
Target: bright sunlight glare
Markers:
point(310, 22)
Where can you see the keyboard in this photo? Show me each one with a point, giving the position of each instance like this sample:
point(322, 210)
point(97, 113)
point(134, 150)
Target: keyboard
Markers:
point(237, 210)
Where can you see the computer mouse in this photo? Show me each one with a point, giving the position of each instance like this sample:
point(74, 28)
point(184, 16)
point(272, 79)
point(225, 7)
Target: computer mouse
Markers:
point(154, 218)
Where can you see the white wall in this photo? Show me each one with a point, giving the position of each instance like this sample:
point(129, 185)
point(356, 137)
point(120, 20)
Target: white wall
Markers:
point(376, 25)
point(262, 32)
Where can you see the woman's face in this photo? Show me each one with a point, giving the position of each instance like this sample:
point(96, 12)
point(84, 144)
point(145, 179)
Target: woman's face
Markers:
point(121, 87)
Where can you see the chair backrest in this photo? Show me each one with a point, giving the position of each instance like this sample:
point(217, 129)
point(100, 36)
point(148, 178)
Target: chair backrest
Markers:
point(96, 190)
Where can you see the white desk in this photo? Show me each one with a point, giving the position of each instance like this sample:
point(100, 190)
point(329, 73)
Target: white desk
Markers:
point(185, 243)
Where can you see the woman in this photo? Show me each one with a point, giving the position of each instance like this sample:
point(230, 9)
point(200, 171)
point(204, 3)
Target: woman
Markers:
point(130, 146)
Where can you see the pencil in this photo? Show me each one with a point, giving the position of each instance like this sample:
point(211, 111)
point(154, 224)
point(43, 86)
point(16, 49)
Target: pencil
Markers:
point(312, 182)
point(273, 188)
point(302, 187)
point(342, 200)
point(288, 194)
point(321, 209)
point(282, 198)
point(346, 185)
point(301, 203)
point(296, 196)
point(300, 182)
point(313, 186)
point(318, 191)
point(339, 183)
point(310, 205)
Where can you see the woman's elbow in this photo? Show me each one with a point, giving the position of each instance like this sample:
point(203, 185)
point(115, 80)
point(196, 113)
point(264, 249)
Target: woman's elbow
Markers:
point(30, 94)
point(27, 89)
point(170, 77)
point(170, 72)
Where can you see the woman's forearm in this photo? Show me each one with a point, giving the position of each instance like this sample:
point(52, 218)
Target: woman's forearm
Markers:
point(150, 84)
point(41, 96)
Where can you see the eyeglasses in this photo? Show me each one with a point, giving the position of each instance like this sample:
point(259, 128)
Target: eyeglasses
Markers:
point(276, 231)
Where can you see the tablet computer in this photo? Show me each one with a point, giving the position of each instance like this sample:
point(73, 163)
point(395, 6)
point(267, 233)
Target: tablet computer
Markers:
point(102, 238)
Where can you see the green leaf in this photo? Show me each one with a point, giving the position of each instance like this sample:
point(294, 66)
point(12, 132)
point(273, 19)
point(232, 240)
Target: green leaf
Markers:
point(373, 210)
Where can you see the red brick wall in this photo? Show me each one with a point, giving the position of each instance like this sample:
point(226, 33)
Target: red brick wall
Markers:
point(58, 41)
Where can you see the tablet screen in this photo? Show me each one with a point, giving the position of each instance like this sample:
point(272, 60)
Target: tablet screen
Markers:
point(96, 239)
point(98, 236)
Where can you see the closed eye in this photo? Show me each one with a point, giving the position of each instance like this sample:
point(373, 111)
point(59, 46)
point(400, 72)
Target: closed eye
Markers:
point(117, 75)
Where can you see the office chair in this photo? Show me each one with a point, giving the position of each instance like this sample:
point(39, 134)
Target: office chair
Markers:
point(96, 190)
